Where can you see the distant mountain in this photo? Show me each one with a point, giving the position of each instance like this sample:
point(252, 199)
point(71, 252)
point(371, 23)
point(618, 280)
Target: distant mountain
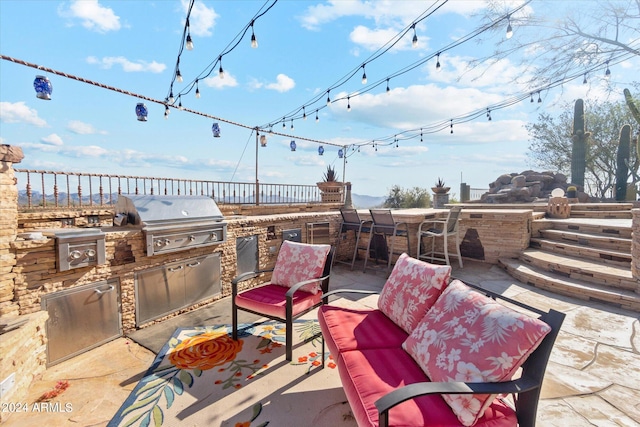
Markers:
point(367, 202)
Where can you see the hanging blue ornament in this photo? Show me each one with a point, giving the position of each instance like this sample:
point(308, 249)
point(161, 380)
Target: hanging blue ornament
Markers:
point(141, 112)
point(320, 150)
point(340, 153)
point(216, 130)
point(292, 145)
point(43, 87)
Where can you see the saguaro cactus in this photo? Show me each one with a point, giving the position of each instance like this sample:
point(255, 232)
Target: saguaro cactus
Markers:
point(632, 106)
point(579, 146)
point(622, 158)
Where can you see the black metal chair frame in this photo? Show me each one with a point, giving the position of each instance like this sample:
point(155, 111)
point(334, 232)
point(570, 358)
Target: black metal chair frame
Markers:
point(289, 317)
point(351, 221)
point(385, 225)
point(525, 390)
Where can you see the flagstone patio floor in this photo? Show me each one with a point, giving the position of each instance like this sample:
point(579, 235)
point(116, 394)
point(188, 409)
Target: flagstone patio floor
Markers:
point(593, 377)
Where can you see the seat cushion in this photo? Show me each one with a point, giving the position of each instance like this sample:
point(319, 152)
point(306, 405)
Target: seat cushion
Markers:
point(350, 329)
point(368, 375)
point(298, 262)
point(271, 300)
point(411, 289)
point(467, 336)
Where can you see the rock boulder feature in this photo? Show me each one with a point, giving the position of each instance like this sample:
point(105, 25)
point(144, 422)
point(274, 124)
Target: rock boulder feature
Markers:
point(528, 186)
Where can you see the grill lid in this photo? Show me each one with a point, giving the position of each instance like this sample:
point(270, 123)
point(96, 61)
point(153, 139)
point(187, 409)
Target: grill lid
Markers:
point(158, 211)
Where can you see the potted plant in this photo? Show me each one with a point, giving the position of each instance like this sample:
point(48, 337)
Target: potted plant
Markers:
point(440, 187)
point(330, 188)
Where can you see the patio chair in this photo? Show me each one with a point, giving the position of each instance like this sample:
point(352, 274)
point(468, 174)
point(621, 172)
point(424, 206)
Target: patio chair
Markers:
point(299, 278)
point(438, 228)
point(351, 221)
point(383, 227)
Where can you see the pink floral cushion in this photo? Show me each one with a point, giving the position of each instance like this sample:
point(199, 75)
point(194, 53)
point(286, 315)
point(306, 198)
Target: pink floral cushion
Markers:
point(469, 337)
point(411, 289)
point(298, 262)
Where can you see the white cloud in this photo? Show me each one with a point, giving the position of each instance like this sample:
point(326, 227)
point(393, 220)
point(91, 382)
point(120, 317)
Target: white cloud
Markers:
point(93, 16)
point(53, 139)
point(283, 83)
point(373, 39)
point(217, 83)
point(81, 128)
point(202, 19)
point(128, 66)
point(18, 112)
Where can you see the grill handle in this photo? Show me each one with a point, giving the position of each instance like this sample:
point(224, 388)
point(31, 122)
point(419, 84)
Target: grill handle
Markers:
point(193, 264)
point(99, 292)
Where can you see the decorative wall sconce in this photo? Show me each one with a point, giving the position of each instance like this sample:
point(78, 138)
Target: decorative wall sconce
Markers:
point(216, 130)
point(43, 87)
point(292, 144)
point(141, 112)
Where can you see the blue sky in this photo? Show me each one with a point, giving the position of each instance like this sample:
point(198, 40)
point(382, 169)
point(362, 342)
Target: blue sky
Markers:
point(304, 47)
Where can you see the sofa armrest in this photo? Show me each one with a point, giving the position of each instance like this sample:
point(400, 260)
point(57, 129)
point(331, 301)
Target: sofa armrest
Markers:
point(388, 401)
point(326, 295)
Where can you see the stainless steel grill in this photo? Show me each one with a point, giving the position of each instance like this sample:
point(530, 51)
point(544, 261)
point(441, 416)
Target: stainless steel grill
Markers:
point(173, 223)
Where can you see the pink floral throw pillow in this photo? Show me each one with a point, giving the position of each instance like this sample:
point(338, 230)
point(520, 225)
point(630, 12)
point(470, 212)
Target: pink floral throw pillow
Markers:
point(411, 289)
point(298, 262)
point(469, 337)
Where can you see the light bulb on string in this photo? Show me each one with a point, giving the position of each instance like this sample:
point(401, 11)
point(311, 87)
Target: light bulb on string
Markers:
point(509, 33)
point(189, 42)
point(197, 90)
point(488, 114)
point(584, 81)
point(388, 90)
point(178, 76)
point(451, 126)
point(539, 99)
point(348, 104)
point(254, 41)
point(291, 124)
point(328, 99)
point(304, 114)
point(283, 125)
point(171, 98)
point(438, 68)
point(166, 112)
point(220, 70)
point(317, 118)
point(180, 103)
point(414, 41)
point(421, 135)
point(531, 96)
point(364, 75)
point(607, 73)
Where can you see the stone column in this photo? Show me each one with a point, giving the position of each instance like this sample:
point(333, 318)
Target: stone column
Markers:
point(8, 226)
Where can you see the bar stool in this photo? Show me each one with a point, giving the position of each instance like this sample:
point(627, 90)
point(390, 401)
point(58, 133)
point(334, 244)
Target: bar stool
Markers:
point(385, 226)
point(351, 221)
point(435, 229)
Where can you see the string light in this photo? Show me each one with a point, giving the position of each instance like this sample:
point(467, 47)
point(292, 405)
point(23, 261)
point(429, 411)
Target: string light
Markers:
point(607, 73)
point(304, 114)
point(189, 43)
point(584, 81)
point(171, 98)
point(283, 125)
point(254, 41)
point(364, 75)
point(317, 118)
point(220, 70)
point(531, 96)
point(291, 124)
point(509, 29)
point(166, 112)
point(328, 99)
point(488, 114)
point(438, 68)
point(180, 103)
point(414, 42)
point(388, 90)
point(539, 99)
point(178, 75)
point(348, 104)
point(197, 90)
point(452, 126)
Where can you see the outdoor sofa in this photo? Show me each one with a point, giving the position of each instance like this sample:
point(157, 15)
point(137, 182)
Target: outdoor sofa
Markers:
point(439, 352)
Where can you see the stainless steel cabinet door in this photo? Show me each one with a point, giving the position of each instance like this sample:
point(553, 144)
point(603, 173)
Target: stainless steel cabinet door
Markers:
point(202, 278)
point(81, 318)
point(159, 291)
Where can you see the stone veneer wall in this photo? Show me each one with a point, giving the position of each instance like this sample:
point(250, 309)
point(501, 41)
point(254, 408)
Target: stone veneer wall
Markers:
point(635, 245)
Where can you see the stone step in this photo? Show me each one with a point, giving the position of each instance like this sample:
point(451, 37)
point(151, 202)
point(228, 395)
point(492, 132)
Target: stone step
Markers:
point(610, 276)
point(615, 214)
point(607, 256)
point(560, 284)
point(595, 207)
point(615, 228)
point(619, 244)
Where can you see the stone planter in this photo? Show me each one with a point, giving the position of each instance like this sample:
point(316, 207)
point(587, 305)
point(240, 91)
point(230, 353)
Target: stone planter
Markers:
point(331, 192)
point(440, 196)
